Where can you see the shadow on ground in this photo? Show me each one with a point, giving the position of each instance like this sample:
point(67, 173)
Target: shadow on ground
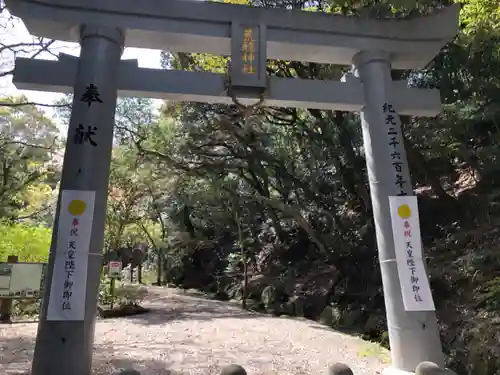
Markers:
point(344, 330)
point(185, 344)
point(174, 307)
point(19, 353)
point(196, 306)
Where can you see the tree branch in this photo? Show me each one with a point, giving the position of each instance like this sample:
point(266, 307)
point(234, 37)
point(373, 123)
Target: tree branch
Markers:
point(14, 105)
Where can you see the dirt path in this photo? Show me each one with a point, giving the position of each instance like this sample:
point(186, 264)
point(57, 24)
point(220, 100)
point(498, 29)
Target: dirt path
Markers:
point(192, 335)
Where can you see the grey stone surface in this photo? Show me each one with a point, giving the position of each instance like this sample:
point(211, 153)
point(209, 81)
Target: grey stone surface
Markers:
point(233, 369)
point(428, 368)
point(129, 372)
point(339, 369)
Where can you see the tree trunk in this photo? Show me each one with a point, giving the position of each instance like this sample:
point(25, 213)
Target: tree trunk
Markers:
point(159, 266)
point(245, 263)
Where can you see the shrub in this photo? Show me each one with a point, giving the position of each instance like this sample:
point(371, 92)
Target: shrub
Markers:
point(127, 295)
point(29, 243)
point(26, 308)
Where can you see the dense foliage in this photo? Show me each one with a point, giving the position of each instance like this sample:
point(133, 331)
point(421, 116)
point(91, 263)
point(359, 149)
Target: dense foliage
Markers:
point(280, 198)
point(30, 243)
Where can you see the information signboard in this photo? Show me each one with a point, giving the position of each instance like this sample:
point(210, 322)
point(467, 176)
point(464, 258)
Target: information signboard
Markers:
point(115, 269)
point(22, 280)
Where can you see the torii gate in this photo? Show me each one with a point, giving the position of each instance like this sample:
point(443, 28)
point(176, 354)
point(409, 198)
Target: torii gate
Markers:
point(249, 35)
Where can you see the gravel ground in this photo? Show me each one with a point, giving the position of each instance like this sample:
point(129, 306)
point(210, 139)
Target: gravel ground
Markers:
point(186, 333)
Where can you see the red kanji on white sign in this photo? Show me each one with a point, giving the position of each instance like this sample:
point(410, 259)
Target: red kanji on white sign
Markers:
point(114, 268)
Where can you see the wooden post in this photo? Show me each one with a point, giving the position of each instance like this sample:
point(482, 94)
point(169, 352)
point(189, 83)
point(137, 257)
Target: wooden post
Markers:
point(112, 292)
point(139, 273)
point(6, 303)
point(159, 265)
point(244, 260)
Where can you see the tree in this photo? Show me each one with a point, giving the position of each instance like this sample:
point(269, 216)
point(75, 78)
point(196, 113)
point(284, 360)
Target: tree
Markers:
point(126, 196)
point(30, 243)
point(13, 45)
point(28, 159)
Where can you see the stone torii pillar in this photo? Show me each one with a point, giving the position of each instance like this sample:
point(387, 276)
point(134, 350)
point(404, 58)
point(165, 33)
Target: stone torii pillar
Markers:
point(64, 343)
point(413, 335)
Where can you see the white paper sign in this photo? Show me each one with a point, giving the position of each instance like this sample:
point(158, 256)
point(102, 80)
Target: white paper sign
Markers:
point(413, 279)
point(114, 269)
point(69, 280)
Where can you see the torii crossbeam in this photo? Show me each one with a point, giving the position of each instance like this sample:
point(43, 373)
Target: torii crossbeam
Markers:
point(59, 76)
